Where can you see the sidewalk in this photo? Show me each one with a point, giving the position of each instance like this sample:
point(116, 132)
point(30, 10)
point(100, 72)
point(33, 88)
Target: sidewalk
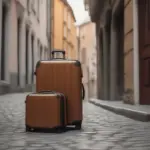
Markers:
point(140, 113)
point(101, 130)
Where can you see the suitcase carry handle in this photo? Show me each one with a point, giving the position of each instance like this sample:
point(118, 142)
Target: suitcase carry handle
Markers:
point(52, 92)
point(83, 92)
point(58, 51)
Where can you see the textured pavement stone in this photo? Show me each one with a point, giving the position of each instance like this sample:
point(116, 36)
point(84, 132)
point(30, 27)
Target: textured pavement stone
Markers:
point(102, 130)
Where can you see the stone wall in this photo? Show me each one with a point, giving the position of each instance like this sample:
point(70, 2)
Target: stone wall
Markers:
point(128, 50)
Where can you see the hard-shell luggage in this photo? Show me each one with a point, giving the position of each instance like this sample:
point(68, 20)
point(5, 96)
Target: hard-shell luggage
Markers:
point(45, 110)
point(64, 76)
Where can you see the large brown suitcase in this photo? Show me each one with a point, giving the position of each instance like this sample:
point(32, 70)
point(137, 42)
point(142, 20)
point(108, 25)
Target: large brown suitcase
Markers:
point(64, 76)
point(45, 110)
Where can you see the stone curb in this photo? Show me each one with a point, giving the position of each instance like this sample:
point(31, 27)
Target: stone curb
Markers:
point(133, 114)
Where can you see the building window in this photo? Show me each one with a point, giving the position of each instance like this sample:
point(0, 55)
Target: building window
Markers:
point(52, 42)
point(28, 6)
point(83, 33)
point(41, 52)
point(33, 6)
point(69, 21)
point(38, 45)
point(45, 54)
point(48, 17)
point(52, 26)
point(65, 31)
point(38, 10)
point(52, 21)
point(69, 51)
point(64, 46)
point(84, 56)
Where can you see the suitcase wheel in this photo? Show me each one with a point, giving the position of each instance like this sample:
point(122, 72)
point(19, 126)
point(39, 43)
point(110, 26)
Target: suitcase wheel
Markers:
point(78, 126)
point(28, 129)
point(60, 130)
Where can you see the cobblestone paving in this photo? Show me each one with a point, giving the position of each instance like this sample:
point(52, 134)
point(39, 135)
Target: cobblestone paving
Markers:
point(102, 130)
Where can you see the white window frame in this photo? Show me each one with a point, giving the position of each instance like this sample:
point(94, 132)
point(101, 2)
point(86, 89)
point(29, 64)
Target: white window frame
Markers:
point(69, 21)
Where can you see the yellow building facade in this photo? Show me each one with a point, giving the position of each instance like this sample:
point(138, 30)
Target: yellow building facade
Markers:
point(63, 29)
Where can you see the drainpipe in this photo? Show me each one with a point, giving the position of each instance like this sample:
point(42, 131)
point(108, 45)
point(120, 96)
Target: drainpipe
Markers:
point(136, 52)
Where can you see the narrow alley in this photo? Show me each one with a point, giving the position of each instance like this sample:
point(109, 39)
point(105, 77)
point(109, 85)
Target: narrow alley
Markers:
point(102, 130)
point(105, 62)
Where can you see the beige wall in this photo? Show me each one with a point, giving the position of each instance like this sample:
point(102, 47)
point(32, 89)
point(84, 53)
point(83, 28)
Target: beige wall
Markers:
point(128, 44)
point(58, 24)
point(88, 42)
point(87, 39)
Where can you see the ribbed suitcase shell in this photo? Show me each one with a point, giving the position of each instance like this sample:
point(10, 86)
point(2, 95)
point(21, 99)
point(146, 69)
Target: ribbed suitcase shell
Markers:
point(45, 111)
point(65, 77)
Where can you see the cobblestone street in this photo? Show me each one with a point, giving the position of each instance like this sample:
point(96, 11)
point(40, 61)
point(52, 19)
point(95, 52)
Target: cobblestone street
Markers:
point(102, 130)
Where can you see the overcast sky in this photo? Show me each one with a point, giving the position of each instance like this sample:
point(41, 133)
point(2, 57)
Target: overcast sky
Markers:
point(79, 11)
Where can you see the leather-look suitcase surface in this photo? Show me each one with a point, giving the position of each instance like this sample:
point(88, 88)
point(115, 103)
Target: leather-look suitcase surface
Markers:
point(64, 76)
point(45, 110)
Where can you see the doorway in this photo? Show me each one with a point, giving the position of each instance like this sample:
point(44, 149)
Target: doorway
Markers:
point(32, 43)
point(101, 64)
point(3, 48)
point(26, 54)
point(144, 50)
point(18, 50)
point(119, 28)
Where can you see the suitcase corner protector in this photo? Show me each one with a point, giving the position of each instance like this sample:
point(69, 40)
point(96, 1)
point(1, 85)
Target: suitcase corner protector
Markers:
point(58, 96)
point(38, 64)
point(27, 96)
point(77, 63)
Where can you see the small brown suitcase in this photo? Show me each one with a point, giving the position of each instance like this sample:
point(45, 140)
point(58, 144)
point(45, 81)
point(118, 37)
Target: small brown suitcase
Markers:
point(45, 110)
point(64, 76)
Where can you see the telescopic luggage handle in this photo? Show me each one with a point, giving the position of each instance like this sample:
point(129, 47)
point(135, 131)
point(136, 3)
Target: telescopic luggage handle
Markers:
point(58, 51)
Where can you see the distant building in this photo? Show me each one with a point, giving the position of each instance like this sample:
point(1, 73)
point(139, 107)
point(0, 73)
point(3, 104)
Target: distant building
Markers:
point(63, 29)
point(24, 40)
point(88, 57)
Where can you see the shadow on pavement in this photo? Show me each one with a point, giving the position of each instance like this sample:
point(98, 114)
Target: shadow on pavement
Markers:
point(57, 130)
